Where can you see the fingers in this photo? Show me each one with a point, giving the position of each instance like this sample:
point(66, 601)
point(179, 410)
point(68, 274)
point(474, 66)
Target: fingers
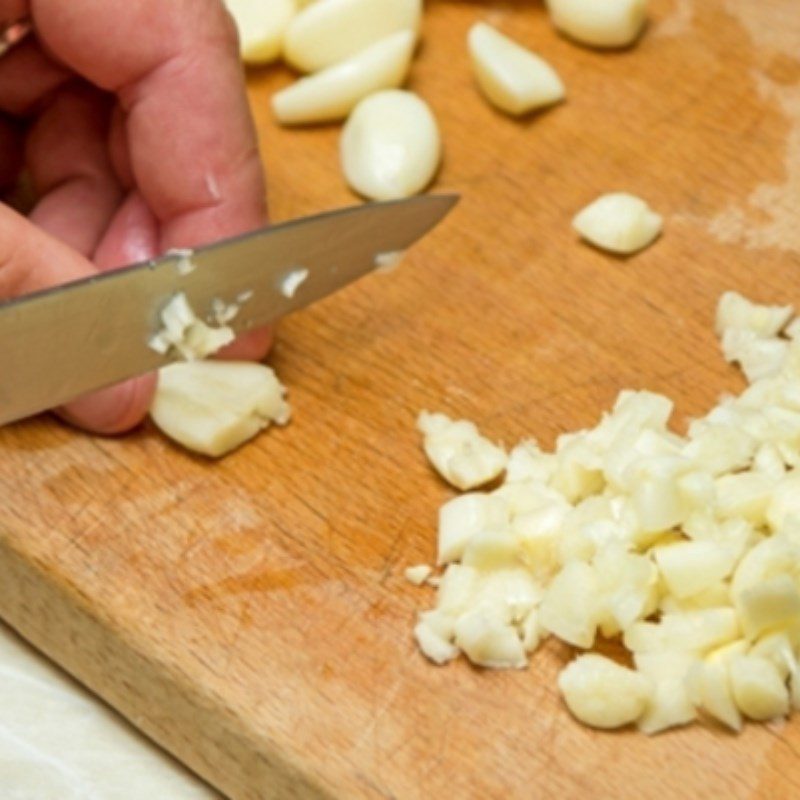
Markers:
point(27, 77)
point(31, 260)
point(69, 165)
point(10, 153)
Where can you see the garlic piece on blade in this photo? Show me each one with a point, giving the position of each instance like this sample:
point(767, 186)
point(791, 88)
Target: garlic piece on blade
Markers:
point(261, 25)
point(390, 146)
point(329, 31)
point(333, 93)
point(510, 76)
point(601, 693)
point(618, 222)
point(610, 23)
point(458, 452)
point(212, 407)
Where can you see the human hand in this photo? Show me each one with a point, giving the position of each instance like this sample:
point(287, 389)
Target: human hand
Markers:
point(132, 121)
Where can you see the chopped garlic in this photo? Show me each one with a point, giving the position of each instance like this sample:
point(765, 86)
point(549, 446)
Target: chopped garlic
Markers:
point(183, 263)
point(212, 407)
point(511, 77)
point(618, 222)
point(390, 146)
point(261, 25)
point(386, 262)
point(604, 694)
point(611, 23)
point(333, 93)
point(418, 574)
point(434, 646)
point(329, 31)
point(185, 333)
point(686, 546)
point(458, 452)
point(293, 281)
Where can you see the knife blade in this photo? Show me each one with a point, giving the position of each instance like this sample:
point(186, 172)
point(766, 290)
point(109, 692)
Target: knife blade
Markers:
point(58, 344)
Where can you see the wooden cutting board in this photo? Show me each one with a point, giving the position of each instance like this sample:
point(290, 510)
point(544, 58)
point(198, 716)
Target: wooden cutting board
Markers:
point(251, 615)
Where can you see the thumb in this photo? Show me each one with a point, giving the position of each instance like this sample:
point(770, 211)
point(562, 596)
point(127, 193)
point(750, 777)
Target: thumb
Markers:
point(31, 260)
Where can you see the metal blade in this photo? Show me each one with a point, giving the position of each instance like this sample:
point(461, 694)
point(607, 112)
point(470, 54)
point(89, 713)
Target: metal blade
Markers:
point(61, 343)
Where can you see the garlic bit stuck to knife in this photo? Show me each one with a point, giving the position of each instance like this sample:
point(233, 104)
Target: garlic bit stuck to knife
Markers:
point(213, 407)
point(599, 23)
point(261, 25)
point(512, 78)
point(184, 333)
point(618, 222)
point(390, 146)
point(333, 93)
point(329, 31)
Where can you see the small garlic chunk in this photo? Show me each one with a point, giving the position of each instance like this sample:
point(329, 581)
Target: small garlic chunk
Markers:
point(618, 222)
point(689, 568)
point(183, 332)
point(390, 146)
point(610, 23)
point(292, 281)
point(758, 688)
point(418, 574)
point(669, 704)
point(736, 311)
point(212, 407)
point(603, 694)
point(261, 25)
point(488, 641)
point(329, 31)
point(433, 645)
point(333, 93)
point(759, 357)
point(458, 452)
point(570, 607)
point(511, 77)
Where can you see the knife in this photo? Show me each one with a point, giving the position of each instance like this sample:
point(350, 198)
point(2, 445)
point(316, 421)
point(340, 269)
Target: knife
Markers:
point(58, 344)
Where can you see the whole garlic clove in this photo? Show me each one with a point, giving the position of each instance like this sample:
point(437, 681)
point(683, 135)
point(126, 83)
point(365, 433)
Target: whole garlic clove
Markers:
point(511, 77)
point(333, 93)
point(618, 222)
point(329, 31)
point(261, 27)
point(390, 146)
point(610, 23)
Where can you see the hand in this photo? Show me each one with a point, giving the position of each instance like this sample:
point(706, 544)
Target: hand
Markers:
point(132, 121)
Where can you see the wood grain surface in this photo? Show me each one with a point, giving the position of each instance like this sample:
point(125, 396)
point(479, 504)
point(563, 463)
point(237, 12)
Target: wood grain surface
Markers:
point(251, 615)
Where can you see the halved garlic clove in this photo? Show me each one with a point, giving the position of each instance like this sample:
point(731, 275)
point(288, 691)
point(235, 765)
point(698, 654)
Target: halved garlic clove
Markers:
point(611, 23)
point(390, 146)
point(603, 694)
point(618, 222)
point(261, 25)
point(510, 76)
point(329, 31)
point(333, 93)
point(212, 407)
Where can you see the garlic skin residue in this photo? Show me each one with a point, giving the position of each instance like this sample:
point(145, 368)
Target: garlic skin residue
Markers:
point(261, 25)
point(333, 93)
point(329, 31)
point(213, 407)
point(618, 222)
point(611, 23)
point(390, 146)
point(685, 547)
point(183, 332)
point(511, 77)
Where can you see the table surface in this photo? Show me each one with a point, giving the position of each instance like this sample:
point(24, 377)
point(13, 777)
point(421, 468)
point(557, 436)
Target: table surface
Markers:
point(251, 615)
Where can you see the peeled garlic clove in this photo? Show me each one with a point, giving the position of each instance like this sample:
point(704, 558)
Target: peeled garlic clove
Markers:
point(212, 407)
point(261, 25)
point(329, 31)
point(611, 23)
point(513, 78)
point(390, 146)
point(618, 222)
point(334, 92)
point(603, 694)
